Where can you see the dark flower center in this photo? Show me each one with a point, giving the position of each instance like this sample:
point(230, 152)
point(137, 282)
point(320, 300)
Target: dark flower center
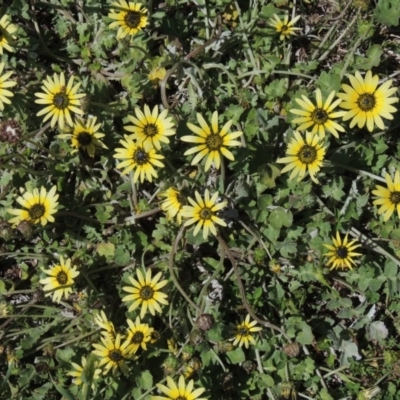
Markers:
point(140, 157)
point(62, 278)
point(61, 100)
point(181, 398)
point(242, 331)
point(146, 293)
point(342, 252)
point(307, 154)
point(115, 355)
point(366, 102)
point(36, 211)
point(205, 213)
point(137, 337)
point(132, 19)
point(84, 138)
point(150, 130)
point(395, 197)
point(319, 116)
point(285, 29)
point(214, 141)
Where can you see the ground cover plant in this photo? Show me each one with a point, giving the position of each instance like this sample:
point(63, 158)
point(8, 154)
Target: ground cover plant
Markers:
point(199, 199)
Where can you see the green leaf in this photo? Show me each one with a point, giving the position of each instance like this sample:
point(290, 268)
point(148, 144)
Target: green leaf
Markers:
point(387, 12)
point(305, 336)
point(3, 288)
point(391, 269)
point(236, 356)
point(377, 331)
point(145, 380)
point(265, 381)
point(122, 256)
point(103, 213)
point(324, 394)
point(106, 249)
point(373, 58)
point(327, 82)
point(280, 217)
point(26, 375)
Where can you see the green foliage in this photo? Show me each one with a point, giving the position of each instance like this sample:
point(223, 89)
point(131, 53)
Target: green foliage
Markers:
point(326, 333)
point(387, 12)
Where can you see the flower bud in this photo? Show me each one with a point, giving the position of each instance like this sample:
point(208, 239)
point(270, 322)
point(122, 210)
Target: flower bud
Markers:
point(170, 365)
point(196, 337)
point(26, 229)
point(10, 131)
point(259, 256)
point(205, 322)
point(292, 349)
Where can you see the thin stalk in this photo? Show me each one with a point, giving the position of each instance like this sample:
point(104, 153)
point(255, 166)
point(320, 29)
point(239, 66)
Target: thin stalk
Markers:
point(172, 273)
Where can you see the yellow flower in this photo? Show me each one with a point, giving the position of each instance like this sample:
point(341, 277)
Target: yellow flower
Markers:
point(137, 158)
point(212, 142)
point(113, 354)
point(61, 100)
point(341, 252)
point(367, 102)
point(78, 371)
point(4, 85)
point(7, 29)
point(204, 213)
point(139, 335)
point(284, 28)
point(319, 116)
point(303, 155)
point(388, 198)
point(129, 18)
point(173, 204)
point(146, 292)
point(157, 74)
point(243, 333)
point(84, 135)
point(102, 321)
point(150, 128)
point(230, 15)
point(40, 207)
point(182, 391)
point(61, 279)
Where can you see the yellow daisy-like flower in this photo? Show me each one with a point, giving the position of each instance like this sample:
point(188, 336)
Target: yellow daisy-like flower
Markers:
point(129, 17)
point(173, 204)
point(61, 279)
point(303, 155)
point(146, 292)
point(150, 128)
point(85, 135)
point(113, 353)
point(285, 28)
point(180, 391)
point(243, 333)
point(320, 116)
point(212, 142)
point(342, 252)
point(102, 321)
point(367, 102)
point(204, 213)
point(388, 198)
point(7, 29)
point(40, 207)
point(136, 157)
point(4, 85)
point(78, 371)
point(139, 335)
point(60, 100)
point(157, 74)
